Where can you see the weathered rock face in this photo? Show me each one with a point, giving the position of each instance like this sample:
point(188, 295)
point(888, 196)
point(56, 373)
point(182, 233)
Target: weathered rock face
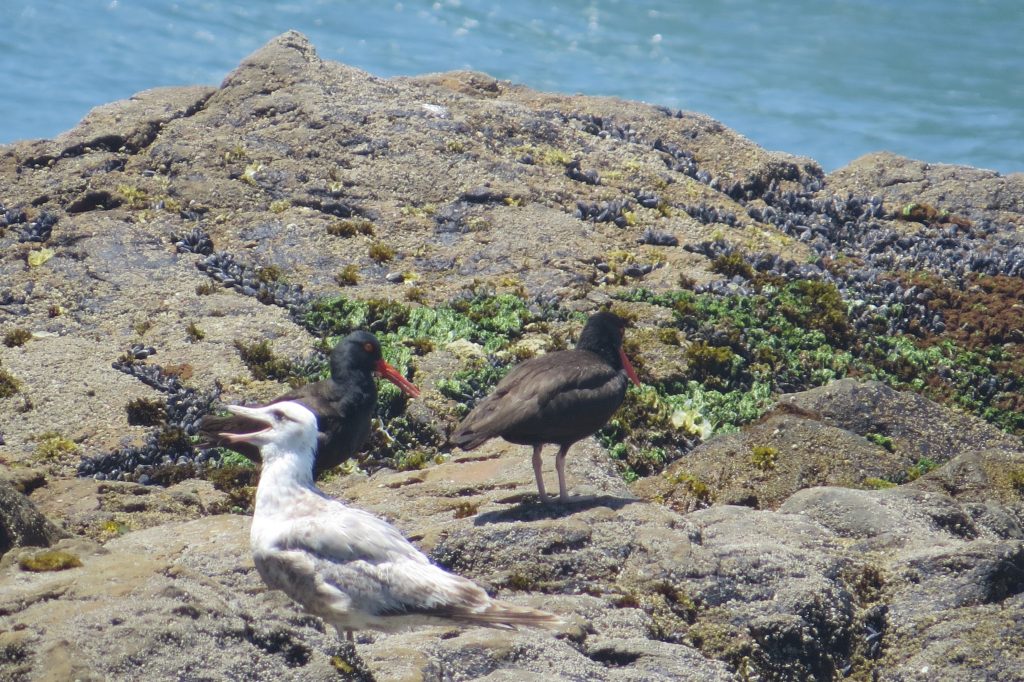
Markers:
point(902, 181)
point(828, 436)
point(837, 579)
point(763, 554)
point(21, 523)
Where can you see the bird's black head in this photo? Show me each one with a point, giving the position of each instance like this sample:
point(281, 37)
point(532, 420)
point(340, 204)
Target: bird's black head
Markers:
point(603, 335)
point(359, 353)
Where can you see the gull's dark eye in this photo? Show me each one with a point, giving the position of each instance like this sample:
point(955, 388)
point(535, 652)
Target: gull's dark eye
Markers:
point(279, 415)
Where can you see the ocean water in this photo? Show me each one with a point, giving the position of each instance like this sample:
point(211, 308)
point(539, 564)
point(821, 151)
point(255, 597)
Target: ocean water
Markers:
point(937, 80)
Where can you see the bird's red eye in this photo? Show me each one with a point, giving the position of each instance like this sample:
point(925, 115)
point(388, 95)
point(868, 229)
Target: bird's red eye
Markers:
point(368, 347)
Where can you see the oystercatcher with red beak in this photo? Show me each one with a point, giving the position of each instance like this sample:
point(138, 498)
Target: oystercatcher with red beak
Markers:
point(561, 397)
point(343, 404)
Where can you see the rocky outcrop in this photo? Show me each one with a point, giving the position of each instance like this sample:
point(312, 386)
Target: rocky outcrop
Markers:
point(21, 524)
point(905, 181)
point(847, 433)
point(837, 580)
point(852, 531)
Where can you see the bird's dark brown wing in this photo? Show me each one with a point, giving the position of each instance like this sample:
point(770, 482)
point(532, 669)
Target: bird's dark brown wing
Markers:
point(211, 426)
point(343, 415)
point(319, 397)
point(343, 408)
point(556, 398)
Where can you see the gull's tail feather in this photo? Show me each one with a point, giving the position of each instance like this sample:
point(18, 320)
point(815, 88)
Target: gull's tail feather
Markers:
point(502, 615)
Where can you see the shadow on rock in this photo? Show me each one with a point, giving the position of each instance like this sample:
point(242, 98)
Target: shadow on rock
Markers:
point(533, 510)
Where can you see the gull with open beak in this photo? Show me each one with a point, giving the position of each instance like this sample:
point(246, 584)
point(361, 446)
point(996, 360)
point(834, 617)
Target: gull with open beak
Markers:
point(344, 565)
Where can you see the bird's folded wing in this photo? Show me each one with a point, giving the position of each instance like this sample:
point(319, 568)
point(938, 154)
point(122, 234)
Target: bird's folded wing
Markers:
point(329, 530)
point(357, 562)
point(213, 425)
point(355, 589)
point(534, 388)
point(320, 397)
point(403, 587)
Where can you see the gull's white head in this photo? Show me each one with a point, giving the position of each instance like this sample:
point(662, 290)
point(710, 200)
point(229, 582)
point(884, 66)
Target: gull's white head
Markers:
point(285, 427)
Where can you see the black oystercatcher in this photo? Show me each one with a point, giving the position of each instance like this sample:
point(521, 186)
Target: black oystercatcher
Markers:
point(344, 565)
point(342, 404)
point(559, 398)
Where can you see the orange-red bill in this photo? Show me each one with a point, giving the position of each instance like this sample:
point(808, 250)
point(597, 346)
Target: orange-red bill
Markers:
point(628, 366)
point(394, 376)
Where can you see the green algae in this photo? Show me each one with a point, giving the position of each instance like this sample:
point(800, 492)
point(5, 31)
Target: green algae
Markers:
point(145, 412)
point(9, 386)
point(49, 560)
point(17, 337)
point(881, 440)
point(764, 457)
point(52, 445)
point(795, 336)
point(492, 322)
point(230, 458)
point(920, 468)
point(381, 252)
point(739, 353)
point(468, 386)
point(264, 364)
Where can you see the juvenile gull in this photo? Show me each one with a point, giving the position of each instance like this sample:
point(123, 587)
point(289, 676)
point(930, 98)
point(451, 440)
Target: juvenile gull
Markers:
point(343, 404)
point(342, 564)
point(559, 398)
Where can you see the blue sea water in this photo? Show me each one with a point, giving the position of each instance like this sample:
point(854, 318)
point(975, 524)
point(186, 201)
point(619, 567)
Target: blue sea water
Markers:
point(937, 80)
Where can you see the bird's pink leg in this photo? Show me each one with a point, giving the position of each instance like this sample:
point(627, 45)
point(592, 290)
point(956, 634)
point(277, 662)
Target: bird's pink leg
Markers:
point(563, 496)
point(537, 472)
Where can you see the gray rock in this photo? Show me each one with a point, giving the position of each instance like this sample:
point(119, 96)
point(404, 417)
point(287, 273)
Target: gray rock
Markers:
point(21, 524)
point(960, 189)
point(918, 427)
point(175, 601)
point(931, 564)
point(765, 463)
